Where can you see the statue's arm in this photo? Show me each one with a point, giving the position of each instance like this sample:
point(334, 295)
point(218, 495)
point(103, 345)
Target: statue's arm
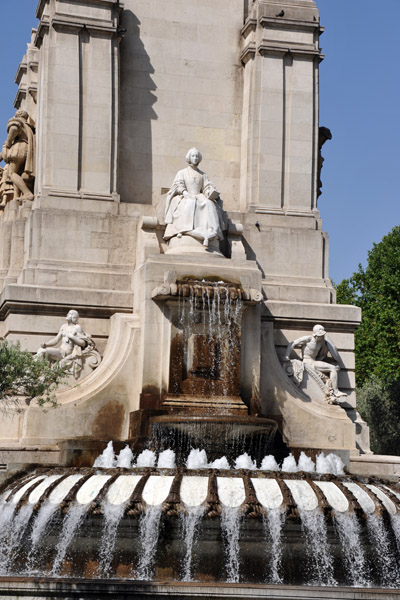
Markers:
point(55, 340)
point(295, 344)
point(12, 134)
point(209, 189)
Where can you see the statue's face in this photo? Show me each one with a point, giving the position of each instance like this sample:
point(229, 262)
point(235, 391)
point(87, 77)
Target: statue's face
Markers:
point(195, 157)
point(72, 316)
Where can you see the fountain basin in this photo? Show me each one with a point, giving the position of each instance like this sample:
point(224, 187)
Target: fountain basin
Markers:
point(222, 435)
point(106, 520)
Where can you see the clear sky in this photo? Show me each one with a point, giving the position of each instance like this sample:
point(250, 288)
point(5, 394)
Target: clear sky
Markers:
point(359, 102)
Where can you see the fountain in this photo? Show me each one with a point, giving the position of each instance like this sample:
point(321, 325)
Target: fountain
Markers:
point(200, 523)
point(206, 442)
point(198, 496)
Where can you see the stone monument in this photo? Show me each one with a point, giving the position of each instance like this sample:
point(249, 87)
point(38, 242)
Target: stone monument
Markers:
point(117, 97)
point(200, 311)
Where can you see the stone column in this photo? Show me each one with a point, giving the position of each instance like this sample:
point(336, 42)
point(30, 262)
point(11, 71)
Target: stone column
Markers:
point(280, 117)
point(78, 98)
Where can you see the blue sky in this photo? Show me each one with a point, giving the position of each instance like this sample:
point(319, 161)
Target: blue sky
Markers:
point(359, 102)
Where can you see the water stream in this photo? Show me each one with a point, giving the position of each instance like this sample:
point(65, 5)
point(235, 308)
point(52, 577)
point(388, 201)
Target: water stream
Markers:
point(230, 526)
point(149, 527)
point(384, 556)
point(72, 521)
point(272, 524)
point(318, 550)
point(352, 549)
point(190, 520)
point(41, 523)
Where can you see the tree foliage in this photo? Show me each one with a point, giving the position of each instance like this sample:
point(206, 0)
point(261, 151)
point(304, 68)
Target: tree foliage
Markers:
point(25, 376)
point(379, 405)
point(376, 289)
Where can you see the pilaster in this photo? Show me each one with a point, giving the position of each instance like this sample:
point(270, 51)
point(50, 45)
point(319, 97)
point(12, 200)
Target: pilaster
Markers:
point(78, 98)
point(280, 54)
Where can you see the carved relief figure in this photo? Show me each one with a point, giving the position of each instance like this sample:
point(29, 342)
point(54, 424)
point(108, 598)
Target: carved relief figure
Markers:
point(18, 153)
point(193, 204)
point(315, 349)
point(324, 134)
point(75, 347)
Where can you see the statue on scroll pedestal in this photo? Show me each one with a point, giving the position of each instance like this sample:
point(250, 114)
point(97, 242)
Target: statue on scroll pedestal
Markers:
point(18, 153)
point(315, 349)
point(193, 205)
point(74, 349)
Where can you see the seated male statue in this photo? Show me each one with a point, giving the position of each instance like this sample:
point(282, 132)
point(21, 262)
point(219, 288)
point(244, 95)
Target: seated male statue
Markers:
point(315, 349)
point(192, 205)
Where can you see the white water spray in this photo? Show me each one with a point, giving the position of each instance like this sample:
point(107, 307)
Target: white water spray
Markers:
point(318, 550)
point(230, 525)
point(272, 524)
point(106, 460)
point(190, 520)
point(353, 555)
point(148, 531)
point(125, 458)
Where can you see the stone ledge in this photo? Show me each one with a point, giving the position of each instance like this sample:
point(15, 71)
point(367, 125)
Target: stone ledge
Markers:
point(33, 589)
point(55, 301)
point(378, 465)
point(345, 316)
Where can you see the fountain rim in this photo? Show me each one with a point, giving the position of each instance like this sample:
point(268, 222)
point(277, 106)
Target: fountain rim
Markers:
point(238, 419)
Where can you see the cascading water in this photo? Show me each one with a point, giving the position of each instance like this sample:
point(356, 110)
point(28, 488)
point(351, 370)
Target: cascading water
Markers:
point(395, 522)
point(149, 528)
point(239, 523)
point(230, 525)
point(350, 538)
point(112, 517)
point(71, 523)
point(321, 562)
point(272, 524)
point(384, 551)
point(19, 525)
point(190, 519)
point(42, 521)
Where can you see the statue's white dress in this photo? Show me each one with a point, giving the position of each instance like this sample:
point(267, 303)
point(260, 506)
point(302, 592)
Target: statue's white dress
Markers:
point(198, 216)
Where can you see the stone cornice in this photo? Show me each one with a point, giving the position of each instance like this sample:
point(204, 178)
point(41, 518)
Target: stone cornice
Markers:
point(248, 53)
point(248, 27)
point(289, 24)
point(280, 50)
point(118, 3)
point(21, 95)
point(66, 24)
point(21, 71)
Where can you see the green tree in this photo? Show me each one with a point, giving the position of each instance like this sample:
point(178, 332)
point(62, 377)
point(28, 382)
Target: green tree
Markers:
point(23, 376)
point(376, 289)
point(379, 405)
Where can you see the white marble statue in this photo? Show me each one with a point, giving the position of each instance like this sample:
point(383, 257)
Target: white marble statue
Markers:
point(192, 205)
point(75, 346)
point(315, 348)
point(18, 153)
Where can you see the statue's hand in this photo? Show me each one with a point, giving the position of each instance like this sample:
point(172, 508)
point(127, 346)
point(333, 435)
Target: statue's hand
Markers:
point(186, 194)
point(44, 345)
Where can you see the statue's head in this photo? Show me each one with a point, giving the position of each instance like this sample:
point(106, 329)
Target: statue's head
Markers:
point(22, 114)
point(73, 316)
point(194, 157)
point(318, 331)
